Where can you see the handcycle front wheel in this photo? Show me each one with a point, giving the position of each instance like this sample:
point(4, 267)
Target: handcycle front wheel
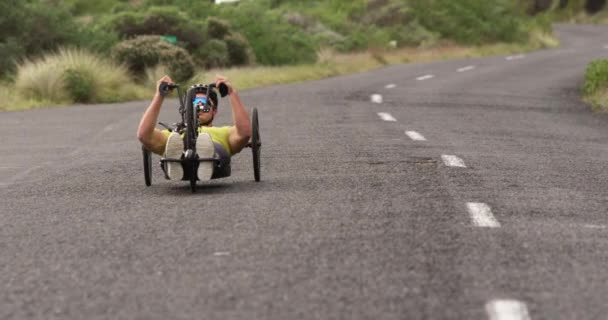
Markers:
point(147, 165)
point(256, 144)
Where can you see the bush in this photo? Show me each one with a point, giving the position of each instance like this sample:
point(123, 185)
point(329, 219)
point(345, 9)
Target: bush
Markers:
point(163, 21)
point(472, 21)
point(78, 82)
point(274, 41)
point(72, 75)
point(29, 28)
point(148, 51)
point(215, 54)
point(217, 28)
point(239, 50)
point(596, 77)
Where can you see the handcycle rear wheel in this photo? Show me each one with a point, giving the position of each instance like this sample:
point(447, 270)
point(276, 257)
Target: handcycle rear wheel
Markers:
point(256, 144)
point(147, 165)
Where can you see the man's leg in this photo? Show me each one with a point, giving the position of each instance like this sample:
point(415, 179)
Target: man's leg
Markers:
point(174, 150)
point(205, 150)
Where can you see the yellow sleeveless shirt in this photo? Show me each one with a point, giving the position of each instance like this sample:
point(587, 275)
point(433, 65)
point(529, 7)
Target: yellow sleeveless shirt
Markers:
point(218, 135)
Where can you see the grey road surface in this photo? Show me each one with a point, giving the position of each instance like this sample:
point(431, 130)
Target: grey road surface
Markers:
point(353, 219)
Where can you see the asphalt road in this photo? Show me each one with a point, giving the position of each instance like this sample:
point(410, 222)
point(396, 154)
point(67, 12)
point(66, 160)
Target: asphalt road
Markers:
point(354, 219)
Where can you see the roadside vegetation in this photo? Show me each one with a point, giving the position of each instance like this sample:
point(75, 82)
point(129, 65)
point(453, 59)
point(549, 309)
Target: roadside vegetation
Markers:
point(595, 89)
point(79, 51)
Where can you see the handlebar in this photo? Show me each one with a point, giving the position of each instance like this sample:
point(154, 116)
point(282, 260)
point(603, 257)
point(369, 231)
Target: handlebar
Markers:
point(165, 87)
point(223, 88)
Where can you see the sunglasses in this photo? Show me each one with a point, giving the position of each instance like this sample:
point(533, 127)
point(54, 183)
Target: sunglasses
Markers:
point(202, 104)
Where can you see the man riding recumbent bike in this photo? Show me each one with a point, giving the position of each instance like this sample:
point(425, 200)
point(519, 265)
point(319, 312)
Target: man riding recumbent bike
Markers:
point(194, 149)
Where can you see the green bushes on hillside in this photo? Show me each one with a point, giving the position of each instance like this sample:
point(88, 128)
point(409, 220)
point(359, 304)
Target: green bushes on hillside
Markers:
point(274, 41)
point(30, 28)
point(472, 21)
point(144, 52)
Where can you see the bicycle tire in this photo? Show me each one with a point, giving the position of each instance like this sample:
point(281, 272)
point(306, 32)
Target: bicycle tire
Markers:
point(147, 156)
point(256, 145)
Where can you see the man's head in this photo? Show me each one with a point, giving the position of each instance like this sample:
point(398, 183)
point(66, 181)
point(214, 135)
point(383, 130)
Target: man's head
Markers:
point(207, 108)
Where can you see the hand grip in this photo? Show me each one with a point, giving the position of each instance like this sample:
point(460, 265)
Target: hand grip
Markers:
point(165, 87)
point(223, 88)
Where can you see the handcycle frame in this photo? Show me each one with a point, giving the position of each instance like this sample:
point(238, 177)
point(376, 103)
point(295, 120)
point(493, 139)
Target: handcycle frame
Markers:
point(189, 127)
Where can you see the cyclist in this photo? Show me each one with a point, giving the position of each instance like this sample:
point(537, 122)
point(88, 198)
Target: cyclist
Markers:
point(212, 142)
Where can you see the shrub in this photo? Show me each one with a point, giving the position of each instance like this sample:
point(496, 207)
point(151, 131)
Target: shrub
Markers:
point(472, 21)
point(274, 41)
point(78, 82)
point(215, 54)
point(30, 28)
point(165, 20)
point(10, 51)
point(239, 50)
point(596, 77)
point(55, 77)
point(148, 51)
point(217, 28)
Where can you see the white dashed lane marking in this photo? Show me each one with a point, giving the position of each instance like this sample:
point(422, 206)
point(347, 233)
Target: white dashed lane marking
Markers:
point(386, 116)
point(221, 253)
point(415, 136)
point(390, 86)
point(452, 161)
point(594, 226)
point(515, 57)
point(467, 68)
point(507, 310)
point(376, 98)
point(482, 216)
point(425, 77)
point(606, 46)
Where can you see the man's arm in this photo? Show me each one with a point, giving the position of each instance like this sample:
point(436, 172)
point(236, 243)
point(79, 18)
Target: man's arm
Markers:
point(241, 131)
point(152, 138)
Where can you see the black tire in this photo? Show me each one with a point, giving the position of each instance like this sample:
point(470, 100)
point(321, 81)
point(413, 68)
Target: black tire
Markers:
point(193, 178)
point(256, 144)
point(147, 165)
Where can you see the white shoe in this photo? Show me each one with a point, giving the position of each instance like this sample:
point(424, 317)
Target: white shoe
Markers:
point(174, 150)
point(205, 150)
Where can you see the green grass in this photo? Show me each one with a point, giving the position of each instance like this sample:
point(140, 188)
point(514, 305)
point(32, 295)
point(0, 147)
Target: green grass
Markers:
point(40, 84)
point(73, 75)
point(595, 88)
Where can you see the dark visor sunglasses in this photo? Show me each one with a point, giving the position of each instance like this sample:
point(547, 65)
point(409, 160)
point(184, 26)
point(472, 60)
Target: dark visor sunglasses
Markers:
point(202, 104)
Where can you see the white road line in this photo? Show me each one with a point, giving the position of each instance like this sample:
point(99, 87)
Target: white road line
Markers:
point(425, 77)
point(386, 116)
point(606, 46)
point(515, 57)
point(221, 253)
point(467, 68)
point(390, 86)
point(594, 226)
point(415, 136)
point(453, 161)
point(108, 128)
point(482, 216)
point(376, 98)
point(507, 310)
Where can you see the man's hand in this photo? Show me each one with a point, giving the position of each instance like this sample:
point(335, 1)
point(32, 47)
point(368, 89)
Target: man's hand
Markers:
point(221, 79)
point(166, 79)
